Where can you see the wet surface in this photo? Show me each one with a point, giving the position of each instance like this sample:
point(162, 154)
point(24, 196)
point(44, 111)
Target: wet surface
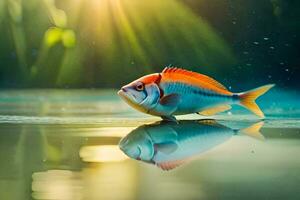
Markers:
point(58, 144)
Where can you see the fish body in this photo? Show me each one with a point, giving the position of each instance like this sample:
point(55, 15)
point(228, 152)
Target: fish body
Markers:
point(170, 144)
point(176, 91)
point(193, 98)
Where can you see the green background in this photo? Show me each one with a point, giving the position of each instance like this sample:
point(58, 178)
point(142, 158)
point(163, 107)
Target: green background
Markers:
point(107, 43)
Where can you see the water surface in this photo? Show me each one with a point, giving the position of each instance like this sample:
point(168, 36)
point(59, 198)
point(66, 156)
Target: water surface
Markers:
point(63, 144)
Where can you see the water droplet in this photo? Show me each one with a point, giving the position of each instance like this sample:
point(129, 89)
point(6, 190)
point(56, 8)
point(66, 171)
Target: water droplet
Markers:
point(286, 69)
point(229, 113)
point(272, 47)
point(256, 43)
point(233, 22)
point(265, 38)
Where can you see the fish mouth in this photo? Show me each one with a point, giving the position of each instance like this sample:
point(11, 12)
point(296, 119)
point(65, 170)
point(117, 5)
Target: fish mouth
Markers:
point(123, 93)
point(123, 143)
point(130, 100)
point(127, 97)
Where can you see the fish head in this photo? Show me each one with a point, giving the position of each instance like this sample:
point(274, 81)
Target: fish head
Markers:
point(142, 94)
point(138, 145)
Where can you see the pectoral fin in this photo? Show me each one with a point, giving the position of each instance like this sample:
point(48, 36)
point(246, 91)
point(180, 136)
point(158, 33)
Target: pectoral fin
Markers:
point(171, 100)
point(167, 105)
point(214, 110)
point(166, 148)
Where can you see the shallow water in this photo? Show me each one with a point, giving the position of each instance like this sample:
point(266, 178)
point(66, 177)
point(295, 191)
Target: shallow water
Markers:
point(63, 144)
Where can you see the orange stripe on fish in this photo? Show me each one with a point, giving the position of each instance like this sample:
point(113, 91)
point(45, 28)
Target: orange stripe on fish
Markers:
point(171, 74)
point(152, 78)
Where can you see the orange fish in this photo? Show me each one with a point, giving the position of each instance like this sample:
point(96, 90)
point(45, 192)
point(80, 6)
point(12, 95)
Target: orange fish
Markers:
point(176, 91)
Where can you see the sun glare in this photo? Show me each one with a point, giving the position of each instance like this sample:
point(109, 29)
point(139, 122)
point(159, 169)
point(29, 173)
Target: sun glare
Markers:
point(103, 153)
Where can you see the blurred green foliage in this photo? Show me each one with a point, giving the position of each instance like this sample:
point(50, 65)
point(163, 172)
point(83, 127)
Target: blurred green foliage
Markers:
point(56, 35)
point(106, 43)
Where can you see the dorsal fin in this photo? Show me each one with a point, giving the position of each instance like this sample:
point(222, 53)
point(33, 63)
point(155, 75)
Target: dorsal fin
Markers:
point(196, 75)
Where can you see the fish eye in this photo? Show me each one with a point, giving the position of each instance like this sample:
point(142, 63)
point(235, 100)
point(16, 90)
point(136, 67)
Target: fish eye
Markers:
point(139, 86)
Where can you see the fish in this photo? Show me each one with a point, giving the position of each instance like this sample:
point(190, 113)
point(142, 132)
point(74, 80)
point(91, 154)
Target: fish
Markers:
point(176, 91)
point(169, 145)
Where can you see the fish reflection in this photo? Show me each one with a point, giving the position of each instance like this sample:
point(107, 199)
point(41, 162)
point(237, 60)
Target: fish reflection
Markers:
point(170, 144)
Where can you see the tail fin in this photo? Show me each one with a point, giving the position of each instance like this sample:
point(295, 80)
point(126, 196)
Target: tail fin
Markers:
point(253, 131)
point(248, 98)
